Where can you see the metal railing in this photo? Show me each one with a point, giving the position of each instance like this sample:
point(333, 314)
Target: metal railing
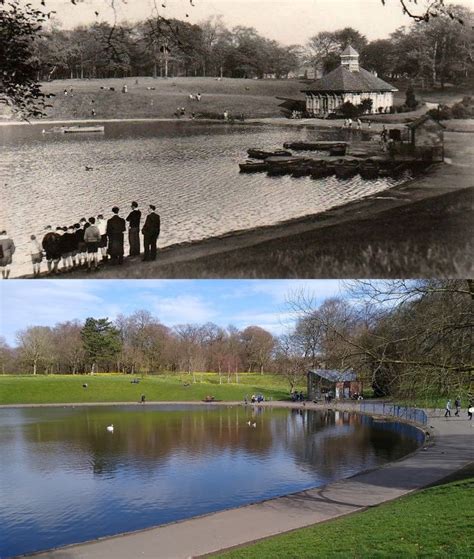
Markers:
point(403, 412)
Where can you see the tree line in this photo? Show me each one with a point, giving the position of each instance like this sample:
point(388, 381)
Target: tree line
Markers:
point(435, 47)
point(401, 338)
point(436, 51)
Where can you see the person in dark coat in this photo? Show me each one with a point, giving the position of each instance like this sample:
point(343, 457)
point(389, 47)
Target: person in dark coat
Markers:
point(7, 249)
point(52, 246)
point(151, 232)
point(133, 219)
point(115, 230)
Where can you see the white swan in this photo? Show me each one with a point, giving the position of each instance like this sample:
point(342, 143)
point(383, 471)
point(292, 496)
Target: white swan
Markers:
point(110, 428)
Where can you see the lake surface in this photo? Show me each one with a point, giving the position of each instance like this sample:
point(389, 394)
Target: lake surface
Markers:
point(189, 170)
point(64, 478)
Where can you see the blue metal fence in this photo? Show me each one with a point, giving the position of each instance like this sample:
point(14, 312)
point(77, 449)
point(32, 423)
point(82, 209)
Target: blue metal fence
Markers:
point(403, 412)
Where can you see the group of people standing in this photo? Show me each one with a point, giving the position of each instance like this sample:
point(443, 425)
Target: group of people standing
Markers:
point(88, 242)
point(457, 405)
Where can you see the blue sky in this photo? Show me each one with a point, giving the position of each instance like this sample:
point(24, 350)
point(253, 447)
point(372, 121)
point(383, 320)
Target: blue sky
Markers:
point(238, 302)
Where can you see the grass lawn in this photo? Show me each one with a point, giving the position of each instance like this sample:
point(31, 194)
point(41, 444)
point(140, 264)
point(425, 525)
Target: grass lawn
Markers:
point(159, 98)
point(55, 389)
point(436, 522)
point(253, 98)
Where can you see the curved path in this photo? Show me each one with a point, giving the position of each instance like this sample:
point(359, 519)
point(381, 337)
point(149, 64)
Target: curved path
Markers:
point(451, 448)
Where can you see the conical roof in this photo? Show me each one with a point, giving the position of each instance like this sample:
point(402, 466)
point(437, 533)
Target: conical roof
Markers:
point(349, 51)
point(341, 79)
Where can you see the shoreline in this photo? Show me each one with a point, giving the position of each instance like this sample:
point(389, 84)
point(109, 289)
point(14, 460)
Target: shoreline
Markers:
point(178, 260)
point(239, 526)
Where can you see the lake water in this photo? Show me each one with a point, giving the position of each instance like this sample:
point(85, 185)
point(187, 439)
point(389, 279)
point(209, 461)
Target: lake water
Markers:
point(64, 478)
point(189, 170)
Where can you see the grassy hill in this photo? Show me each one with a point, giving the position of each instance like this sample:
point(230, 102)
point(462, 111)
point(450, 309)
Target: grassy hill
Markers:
point(159, 98)
point(57, 389)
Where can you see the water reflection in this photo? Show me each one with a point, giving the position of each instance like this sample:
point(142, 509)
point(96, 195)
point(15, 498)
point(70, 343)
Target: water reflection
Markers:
point(189, 170)
point(64, 478)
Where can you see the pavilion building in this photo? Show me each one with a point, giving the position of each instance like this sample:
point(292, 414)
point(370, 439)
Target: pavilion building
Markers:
point(348, 82)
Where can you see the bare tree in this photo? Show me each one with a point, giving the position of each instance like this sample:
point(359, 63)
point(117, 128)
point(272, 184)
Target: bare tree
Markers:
point(34, 345)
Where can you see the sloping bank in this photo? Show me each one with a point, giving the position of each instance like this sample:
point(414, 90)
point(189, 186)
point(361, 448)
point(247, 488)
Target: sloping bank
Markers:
point(421, 228)
point(450, 450)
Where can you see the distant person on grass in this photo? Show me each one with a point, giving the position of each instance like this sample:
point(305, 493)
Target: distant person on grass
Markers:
point(115, 229)
point(7, 249)
point(133, 219)
point(92, 239)
point(36, 254)
point(448, 409)
point(151, 232)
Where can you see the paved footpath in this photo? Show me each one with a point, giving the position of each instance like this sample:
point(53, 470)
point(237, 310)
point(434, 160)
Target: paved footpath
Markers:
point(450, 448)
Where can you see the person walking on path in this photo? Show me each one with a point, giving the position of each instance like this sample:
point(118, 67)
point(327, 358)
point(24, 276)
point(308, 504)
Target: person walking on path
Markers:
point(151, 232)
point(102, 227)
point(457, 405)
point(36, 253)
point(470, 411)
point(52, 247)
point(448, 409)
point(92, 239)
point(7, 250)
point(133, 219)
point(115, 229)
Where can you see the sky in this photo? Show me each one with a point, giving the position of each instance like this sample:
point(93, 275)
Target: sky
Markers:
point(287, 21)
point(239, 302)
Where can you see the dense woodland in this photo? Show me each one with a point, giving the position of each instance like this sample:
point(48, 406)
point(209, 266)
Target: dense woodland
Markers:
point(436, 51)
point(403, 337)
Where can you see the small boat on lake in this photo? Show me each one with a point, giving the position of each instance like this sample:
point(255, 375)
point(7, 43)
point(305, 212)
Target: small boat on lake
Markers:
point(346, 168)
point(369, 169)
point(315, 146)
point(253, 167)
point(284, 165)
point(321, 169)
point(338, 150)
point(82, 129)
point(261, 154)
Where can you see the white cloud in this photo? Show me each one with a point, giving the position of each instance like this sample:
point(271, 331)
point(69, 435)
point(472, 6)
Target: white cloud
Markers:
point(24, 303)
point(182, 309)
point(281, 290)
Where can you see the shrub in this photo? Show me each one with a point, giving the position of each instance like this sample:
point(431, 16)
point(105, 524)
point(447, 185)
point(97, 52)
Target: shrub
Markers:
point(365, 106)
point(410, 100)
point(443, 113)
point(459, 110)
point(348, 110)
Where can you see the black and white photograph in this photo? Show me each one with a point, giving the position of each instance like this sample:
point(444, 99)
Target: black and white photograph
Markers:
point(247, 138)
